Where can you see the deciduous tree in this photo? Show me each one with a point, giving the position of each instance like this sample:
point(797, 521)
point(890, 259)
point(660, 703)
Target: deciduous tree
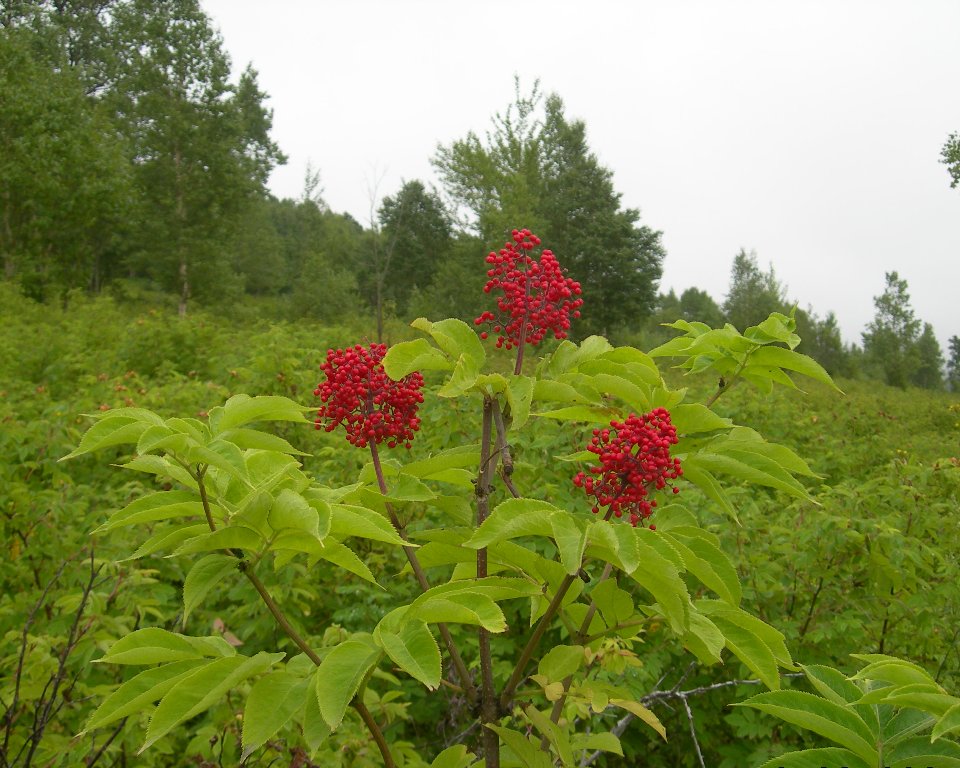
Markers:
point(890, 340)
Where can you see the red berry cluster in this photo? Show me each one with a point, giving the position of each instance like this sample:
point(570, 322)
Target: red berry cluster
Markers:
point(537, 297)
point(634, 458)
point(358, 394)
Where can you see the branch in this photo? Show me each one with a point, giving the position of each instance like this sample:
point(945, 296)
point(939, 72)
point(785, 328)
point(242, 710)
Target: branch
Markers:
point(466, 682)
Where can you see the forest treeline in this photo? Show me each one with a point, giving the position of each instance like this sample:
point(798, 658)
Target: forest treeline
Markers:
point(133, 161)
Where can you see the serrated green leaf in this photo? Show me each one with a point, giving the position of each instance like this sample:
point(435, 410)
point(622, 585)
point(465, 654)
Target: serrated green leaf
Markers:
point(712, 489)
point(831, 684)
point(703, 639)
point(560, 661)
point(166, 538)
point(750, 467)
point(919, 751)
point(832, 721)
point(414, 650)
point(818, 758)
point(231, 537)
point(341, 555)
point(709, 564)
point(271, 703)
point(454, 757)
point(152, 645)
point(948, 723)
point(694, 418)
point(111, 431)
point(658, 576)
point(291, 511)
point(339, 677)
point(205, 574)
point(243, 409)
point(315, 728)
point(793, 361)
point(140, 691)
point(454, 337)
point(641, 712)
point(605, 742)
point(162, 505)
point(511, 519)
point(584, 413)
point(418, 355)
point(527, 752)
point(519, 397)
point(262, 441)
point(461, 608)
point(571, 539)
point(347, 520)
point(556, 736)
point(199, 691)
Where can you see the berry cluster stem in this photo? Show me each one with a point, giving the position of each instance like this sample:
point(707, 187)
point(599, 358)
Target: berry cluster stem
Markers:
point(466, 683)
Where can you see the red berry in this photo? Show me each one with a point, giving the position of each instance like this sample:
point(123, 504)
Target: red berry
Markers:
point(634, 458)
point(358, 395)
point(537, 298)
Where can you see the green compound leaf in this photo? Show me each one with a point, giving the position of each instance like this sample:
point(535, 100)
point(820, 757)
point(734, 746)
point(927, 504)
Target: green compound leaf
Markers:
point(793, 361)
point(340, 675)
point(414, 650)
point(838, 723)
point(273, 700)
point(140, 691)
point(197, 692)
point(418, 355)
point(205, 574)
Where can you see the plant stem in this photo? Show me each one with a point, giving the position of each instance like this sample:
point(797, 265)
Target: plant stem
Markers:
point(462, 673)
point(534, 641)
point(581, 635)
point(503, 448)
point(376, 732)
point(488, 707)
point(246, 568)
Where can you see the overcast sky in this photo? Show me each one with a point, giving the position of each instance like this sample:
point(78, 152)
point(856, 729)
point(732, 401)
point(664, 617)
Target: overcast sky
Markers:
point(808, 131)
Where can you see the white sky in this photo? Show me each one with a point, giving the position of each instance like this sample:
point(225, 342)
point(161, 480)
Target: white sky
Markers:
point(808, 131)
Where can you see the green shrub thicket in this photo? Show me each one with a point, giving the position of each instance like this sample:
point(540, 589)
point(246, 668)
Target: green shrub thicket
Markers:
point(870, 567)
